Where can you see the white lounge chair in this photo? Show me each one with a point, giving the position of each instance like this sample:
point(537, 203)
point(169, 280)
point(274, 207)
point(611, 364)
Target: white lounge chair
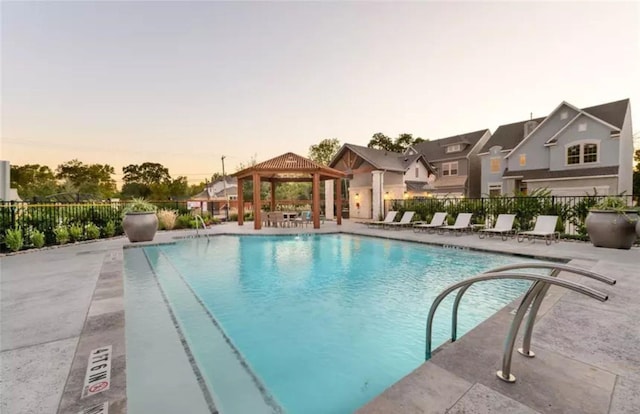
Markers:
point(503, 227)
point(436, 221)
point(545, 227)
point(405, 221)
point(391, 215)
point(463, 223)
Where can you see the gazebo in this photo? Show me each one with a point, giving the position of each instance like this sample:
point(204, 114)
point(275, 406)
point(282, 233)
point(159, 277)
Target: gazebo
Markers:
point(288, 167)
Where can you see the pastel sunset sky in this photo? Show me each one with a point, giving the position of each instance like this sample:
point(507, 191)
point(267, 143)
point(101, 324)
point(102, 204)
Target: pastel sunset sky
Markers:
point(183, 83)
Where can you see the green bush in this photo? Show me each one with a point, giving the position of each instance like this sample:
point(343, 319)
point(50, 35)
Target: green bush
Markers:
point(37, 238)
point(62, 234)
point(233, 217)
point(109, 229)
point(13, 239)
point(184, 221)
point(92, 231)
point(75, 233)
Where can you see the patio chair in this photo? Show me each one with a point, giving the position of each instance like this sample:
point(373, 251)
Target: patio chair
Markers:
point(503, 227)
point(405, 221)
point(304, 218)
point(277, 219)
point(436, 221)
point(391, 215)
point(545, 227)
point(463, 223)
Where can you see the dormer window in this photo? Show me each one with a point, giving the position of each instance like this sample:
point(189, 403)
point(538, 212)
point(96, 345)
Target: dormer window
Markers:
point(454, 148)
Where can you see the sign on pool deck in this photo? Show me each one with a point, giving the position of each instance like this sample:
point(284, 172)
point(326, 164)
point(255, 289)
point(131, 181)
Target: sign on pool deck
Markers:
point(97, 409)
point(98, 376)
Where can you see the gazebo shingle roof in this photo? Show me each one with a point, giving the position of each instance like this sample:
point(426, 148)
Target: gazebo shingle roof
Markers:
point(290, 163)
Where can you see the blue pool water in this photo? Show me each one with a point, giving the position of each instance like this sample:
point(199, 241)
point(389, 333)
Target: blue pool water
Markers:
point(322, 323)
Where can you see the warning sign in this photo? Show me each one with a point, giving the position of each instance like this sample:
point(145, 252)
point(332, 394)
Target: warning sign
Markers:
point(98, 376)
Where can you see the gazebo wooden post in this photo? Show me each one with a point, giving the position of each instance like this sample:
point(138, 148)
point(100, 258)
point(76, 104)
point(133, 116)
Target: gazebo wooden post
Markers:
point(316, 200)
point(240, 202)
point(273, 195)
point(257, 207)
point(337, 184)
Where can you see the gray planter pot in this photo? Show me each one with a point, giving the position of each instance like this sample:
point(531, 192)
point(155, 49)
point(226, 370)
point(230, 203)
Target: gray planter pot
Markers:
point(612, 229)
point(638, 228)
point(140, 227)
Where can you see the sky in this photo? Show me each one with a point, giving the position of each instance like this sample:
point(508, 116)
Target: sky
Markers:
point(184, 83)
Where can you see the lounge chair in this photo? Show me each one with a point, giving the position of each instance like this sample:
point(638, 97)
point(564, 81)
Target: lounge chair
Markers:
point(436, 221)
point(545, 227)
point(405, 221)
point(463, 223)
point(503, 227)
point(391, 215)
point(304, 218)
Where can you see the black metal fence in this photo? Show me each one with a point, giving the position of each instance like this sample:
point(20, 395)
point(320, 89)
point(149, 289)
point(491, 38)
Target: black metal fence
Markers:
point(47, 217)
point(571, 210)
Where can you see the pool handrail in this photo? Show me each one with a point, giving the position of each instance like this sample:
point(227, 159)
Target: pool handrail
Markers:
point(505, 373)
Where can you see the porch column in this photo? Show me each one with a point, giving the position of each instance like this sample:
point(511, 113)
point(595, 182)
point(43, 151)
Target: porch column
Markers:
point(273, 196)
point(377, 201)
point(316, 200)
point(328, 199)
point(240, 203)
point(257, 221)
point(338, 186)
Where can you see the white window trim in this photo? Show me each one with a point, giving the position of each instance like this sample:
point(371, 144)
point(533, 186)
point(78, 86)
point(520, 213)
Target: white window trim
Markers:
point(494, 185)
point(581, 143)
point(449, 165)
point(454, 148)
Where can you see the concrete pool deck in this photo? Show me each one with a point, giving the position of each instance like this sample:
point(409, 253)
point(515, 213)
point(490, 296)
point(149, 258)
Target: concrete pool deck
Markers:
point(58, 304)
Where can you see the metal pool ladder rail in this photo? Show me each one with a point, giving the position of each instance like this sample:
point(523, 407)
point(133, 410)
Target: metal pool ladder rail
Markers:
point(532, 298)
point(199, 218)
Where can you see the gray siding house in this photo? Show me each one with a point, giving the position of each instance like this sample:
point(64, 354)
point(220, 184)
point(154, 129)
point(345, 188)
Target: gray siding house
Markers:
point(571, 151)
point(456, 162)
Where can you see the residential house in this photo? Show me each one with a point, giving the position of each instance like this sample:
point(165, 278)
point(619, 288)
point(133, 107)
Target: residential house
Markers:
point(571, 151)
point(443, 167)
point(456, 163)
point(217, 194)
point(375, 175)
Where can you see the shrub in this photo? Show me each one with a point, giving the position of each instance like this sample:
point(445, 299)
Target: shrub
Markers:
point(138, 205)
point(233, 217)
point(183, 221)
point(62, 234)
point(92, 231)
point(14, 239)
point(109, 229)
point(167, 219)
point(37, 238)
point(75, 233)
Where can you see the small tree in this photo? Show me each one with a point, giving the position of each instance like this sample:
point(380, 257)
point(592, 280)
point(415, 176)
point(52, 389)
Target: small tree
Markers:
point(324, 151)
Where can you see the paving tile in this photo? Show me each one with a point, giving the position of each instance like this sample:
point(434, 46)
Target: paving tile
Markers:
point(626, 396)
point(428, 389)
point(483, 400)
point(33, 377)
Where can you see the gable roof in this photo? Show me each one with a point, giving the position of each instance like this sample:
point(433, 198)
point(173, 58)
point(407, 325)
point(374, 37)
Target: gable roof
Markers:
point(437, 149)
point(508, 136)
point(545, 173)
point(290, 164)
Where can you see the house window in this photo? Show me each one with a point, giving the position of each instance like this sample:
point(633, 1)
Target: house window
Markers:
point(523, 160)
point(495, 190)
point(495, 164)
point(573, 155)
point(583, 153)
point(582, 126)
point(417, 172)
point(453, 148)
point(450, 168)
point(564, 115)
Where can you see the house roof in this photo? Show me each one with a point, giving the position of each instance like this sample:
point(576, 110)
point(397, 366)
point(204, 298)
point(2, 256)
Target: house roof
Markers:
point(508, 136)
point(450, 181)
point(380, 159)
point(436, 149)
point(417, 186)
point(545, 173)
point(287, 166)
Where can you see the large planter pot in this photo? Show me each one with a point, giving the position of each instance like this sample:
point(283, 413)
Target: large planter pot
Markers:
point(638, 228)
point(612, 229)
point(140, 226)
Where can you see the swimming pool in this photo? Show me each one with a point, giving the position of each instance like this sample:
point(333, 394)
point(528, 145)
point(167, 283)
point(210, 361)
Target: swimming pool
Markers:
point(297, 324)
